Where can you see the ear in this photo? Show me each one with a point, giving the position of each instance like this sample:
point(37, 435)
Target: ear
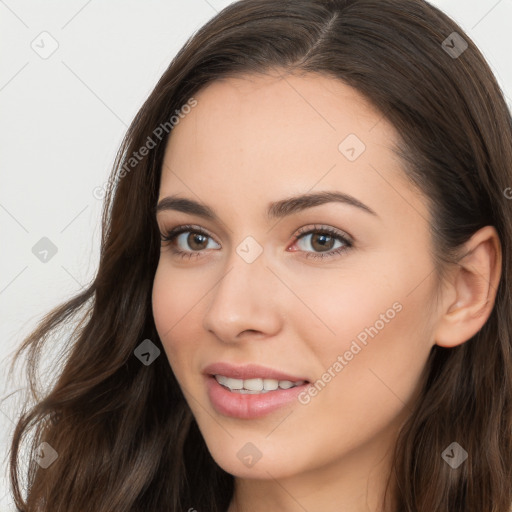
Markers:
point(469, 297)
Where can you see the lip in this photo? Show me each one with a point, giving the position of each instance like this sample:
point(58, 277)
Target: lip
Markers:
point(248, 371)
point(249, 406)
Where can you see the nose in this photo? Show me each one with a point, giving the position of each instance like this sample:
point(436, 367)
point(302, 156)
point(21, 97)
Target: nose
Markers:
point(244, 303)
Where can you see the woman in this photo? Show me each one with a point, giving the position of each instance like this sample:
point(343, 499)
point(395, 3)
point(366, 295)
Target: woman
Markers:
point(303, 299)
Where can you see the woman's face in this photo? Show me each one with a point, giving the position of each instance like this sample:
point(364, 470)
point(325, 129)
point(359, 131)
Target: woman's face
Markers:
point(345, 308)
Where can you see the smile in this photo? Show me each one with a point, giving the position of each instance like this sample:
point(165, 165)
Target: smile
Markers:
point(248, 399)
point(256, 385)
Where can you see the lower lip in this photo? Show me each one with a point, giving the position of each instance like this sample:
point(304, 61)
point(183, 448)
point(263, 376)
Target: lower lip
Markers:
point(249, 406)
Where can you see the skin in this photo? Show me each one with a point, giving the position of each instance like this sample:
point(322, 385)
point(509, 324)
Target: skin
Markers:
point(262, 138)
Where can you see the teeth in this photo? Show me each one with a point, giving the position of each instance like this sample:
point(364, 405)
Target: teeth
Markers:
point(233, 383)
point(255, 386)
point(270, 384)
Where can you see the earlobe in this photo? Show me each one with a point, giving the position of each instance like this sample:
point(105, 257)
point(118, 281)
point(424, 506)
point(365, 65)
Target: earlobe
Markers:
point(474, 283)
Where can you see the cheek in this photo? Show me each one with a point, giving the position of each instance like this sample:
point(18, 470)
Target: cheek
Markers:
point(162, 304)
point(170, 304)
point(383, 295)
point(352, 306)
point(362, 389)
point(379, 331)
point(379, 355)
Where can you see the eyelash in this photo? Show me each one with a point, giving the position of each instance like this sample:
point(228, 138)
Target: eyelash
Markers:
point(171, 235)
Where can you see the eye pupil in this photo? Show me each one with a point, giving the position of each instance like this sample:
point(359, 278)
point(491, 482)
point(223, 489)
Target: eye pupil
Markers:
point(319, 236)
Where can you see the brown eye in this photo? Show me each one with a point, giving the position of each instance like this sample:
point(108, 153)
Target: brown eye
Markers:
point(196, 241)
point(323, 242)
point(187, 241)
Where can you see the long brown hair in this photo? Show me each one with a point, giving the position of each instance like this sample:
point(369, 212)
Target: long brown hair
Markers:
point(125, 438)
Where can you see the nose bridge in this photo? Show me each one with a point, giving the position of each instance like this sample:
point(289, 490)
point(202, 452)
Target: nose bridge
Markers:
point(243, 298)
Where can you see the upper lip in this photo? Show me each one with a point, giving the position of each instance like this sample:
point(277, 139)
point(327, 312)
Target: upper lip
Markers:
point(248, 371)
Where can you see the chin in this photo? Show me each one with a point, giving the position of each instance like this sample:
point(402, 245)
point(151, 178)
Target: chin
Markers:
point(258, 459)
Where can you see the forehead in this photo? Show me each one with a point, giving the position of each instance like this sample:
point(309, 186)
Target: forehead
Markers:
point(269, 136)
point(256, 110)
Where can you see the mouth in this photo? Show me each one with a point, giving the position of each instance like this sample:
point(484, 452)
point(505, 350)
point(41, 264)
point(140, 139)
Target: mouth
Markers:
point(251, 391)
point(251, 398)
point(255, 386)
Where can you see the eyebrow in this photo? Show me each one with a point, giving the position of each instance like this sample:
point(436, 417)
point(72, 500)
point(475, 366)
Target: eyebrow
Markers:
point(275, 210)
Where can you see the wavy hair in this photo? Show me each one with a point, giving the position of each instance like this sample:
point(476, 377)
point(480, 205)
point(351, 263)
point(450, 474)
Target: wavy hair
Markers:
point(125, 436)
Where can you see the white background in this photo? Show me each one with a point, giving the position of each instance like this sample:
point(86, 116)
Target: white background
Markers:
point(64, 117)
